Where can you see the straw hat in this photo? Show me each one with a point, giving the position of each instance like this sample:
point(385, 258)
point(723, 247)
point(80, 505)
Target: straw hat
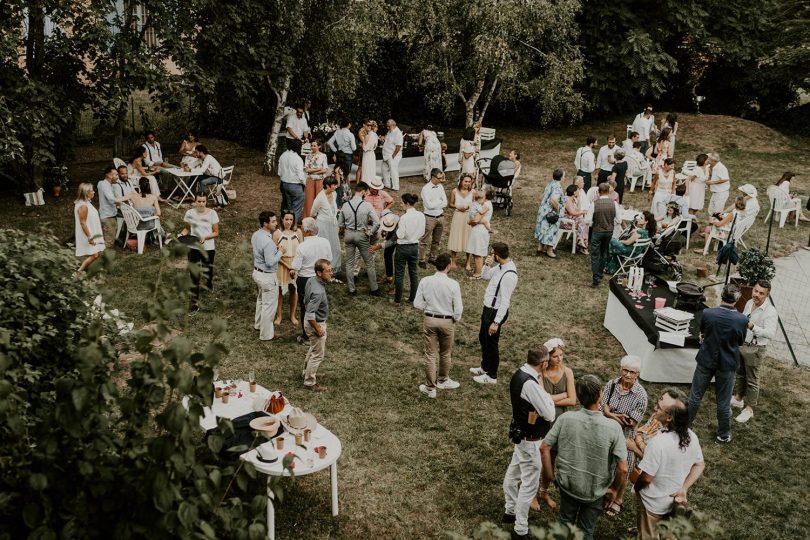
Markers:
point(375, 183)
point(266, 424)
point(297, 421)
point(389, 222)
point(267, 453)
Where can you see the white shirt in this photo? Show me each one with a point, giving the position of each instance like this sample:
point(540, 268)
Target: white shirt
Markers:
point(439, 294)
point(602, 160)
point(392, 139)
point(209, 167)
point(202, 225)
point(308, 253)
point(720, 172)
point(534, 393)
point(765, 320)
point(642, 126)
point(342, 141)
point(627, 146)
point(411, 227)
point(291, 168)
point(434, 199)
point(584, 160)
point(153, 154)
point(669, 466)
point(298, 125)
point(507, 287)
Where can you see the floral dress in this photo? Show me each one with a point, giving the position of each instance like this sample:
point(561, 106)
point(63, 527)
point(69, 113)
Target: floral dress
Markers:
point(578, 223)
point(545, 232)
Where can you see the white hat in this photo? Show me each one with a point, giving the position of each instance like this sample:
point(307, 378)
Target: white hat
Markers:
point(375, 183)
point(297, 421)
point(267, 453)
point(748, 189)
point(389, 222)
point(553, 343)
point(266, 424)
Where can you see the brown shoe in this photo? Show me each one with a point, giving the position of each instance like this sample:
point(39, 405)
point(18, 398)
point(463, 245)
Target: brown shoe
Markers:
point(315, 387)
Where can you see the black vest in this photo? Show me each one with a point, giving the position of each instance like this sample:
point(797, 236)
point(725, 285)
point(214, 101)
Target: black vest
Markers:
point(521, 409)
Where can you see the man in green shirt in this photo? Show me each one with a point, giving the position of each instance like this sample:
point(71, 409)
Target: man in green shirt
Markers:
point(591, 463)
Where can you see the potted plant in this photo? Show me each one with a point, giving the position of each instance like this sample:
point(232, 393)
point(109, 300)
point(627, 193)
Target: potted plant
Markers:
point(754, 266)
point(58, 180)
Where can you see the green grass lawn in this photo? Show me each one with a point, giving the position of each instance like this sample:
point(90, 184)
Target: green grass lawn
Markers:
point(416, 468)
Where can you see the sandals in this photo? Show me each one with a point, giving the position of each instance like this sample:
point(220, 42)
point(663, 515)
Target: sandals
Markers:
point(613, 510)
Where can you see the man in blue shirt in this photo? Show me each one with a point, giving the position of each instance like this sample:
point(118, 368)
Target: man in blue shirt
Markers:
point(107, 210)
point(722, 331)
point(265, 265)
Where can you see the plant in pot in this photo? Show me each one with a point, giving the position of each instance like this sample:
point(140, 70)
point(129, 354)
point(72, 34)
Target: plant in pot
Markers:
point(754, 266)
point(58, 180)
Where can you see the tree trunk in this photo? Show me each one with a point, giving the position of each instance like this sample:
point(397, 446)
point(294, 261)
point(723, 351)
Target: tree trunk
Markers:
point(120, 139)
point(469, 104)
point(272, 138)
point(488, 100)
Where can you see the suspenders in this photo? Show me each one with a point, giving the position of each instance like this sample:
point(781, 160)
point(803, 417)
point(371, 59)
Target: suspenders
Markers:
point(498, 288)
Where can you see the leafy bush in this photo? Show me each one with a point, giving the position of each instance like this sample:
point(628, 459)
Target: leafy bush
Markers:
point(95, 447)
point(755, 266)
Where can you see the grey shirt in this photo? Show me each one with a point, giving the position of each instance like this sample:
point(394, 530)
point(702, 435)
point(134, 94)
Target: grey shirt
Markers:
point(356, 215)
point(106, 200)
point(316, 301)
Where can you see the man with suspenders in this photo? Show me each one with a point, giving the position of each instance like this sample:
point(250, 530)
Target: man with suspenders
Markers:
point(360, 221)
point(502, 282)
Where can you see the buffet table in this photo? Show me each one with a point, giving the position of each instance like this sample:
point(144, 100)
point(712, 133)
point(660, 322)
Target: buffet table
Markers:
point(632, 322)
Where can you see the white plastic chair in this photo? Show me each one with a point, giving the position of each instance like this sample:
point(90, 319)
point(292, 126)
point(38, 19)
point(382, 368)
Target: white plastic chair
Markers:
point(487, 134)
point(118, 162)
point(689, 166)
point(781, 203)
point(590, 193)
point(629, 130)
point(572, 233)
point(132, 219)
point(636, 255)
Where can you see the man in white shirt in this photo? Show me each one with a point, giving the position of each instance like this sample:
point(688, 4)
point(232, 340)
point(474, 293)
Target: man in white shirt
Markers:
point(439, 297)
point(292, 175)
point(532, 415)
point(297, 130)
point(585, 162)
point(410, 230)
point(637, 164)
point(606, 159)
point(762, 324)
point(308, 253)
point(719, 184)
point(627, 144)
point(644, 125)
point(210, 170)
point(154, 154)
point(343, 144)
point(391, 155)
point(502, 282)
point(673, 461)
point(434, 201)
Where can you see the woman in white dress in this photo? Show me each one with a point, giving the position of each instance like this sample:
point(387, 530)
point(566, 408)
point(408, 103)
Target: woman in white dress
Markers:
point(89, 237)
point(671, 122)
point(697, 184)
point(466, 153)
point(478, 241)
point(793, 200)
point(461, 199)
point(187, 150)
point(324, 210)
point(662, 188)
point(433, 150)
point(369, 163)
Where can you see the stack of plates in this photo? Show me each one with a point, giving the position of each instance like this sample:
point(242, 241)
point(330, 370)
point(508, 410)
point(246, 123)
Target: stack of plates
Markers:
point(673, 320)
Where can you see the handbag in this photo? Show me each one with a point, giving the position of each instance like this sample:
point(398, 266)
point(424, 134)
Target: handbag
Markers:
point(553, 217)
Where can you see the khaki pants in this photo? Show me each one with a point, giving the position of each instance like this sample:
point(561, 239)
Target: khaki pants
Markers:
point(647, 521)
point(266, 304)
point(439, 335)
point(747, 383)
point(317, 348)
point(108, 227)
point(434, 226)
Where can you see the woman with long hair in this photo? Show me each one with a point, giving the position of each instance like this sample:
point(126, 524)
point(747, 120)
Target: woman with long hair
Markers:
point(645, 227)
point(139, 171)
point(325, 211)
point(316, 167)
point(671, 122)
point(574, 218)
point(662, 149)
point(289, 237)
point(369, 162)
point(429, 140)
point(147, 206)
point(662, 188)
point(479, 215)
point(793, 199)
point(696, 183)
point(89, 237)
point(461, 199)
point(187, 147)
point(466, 152)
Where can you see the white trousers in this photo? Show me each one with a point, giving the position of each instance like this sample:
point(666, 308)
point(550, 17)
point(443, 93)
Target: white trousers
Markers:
point(390, 170)
point(266, 303)
point(718, 202)
point(521, 482)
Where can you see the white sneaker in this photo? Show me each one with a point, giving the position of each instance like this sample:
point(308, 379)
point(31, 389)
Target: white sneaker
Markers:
point(429, 392)
point(745, 416)
point(449, 384)
point(485, 379)
point(477, 371)
point(735, 403)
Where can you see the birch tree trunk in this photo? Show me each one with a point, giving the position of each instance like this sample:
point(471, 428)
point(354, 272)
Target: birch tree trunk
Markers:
point(271, 149)
point(469, 104)
point(488, 100)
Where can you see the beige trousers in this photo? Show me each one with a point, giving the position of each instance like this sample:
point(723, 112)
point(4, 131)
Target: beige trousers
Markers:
point(647, 521)
point(439, 334)
point(317, 348)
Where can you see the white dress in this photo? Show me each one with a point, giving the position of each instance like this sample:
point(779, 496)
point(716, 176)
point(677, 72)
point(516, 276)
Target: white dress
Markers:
point(325, 213)
point(478, 241)
point(433, 152)
point(83, 246)
point(663, 194)
point(369, 158)
point(697, 189)
point(467, 165)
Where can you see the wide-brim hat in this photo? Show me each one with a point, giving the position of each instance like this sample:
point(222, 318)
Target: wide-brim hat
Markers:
point(748, 189)
point(267, 453)
point(389, 222)
point(298, 421)
point(266, 424)
point(375, 183)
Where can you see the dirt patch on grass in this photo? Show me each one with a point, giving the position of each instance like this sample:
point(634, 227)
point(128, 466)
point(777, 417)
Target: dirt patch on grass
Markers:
point(719, 133)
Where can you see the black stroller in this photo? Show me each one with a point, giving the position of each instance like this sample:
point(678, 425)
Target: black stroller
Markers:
point(661, 259)
point(498, 175)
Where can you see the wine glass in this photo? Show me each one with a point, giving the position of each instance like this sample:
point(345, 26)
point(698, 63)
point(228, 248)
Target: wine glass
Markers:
point(650, 280)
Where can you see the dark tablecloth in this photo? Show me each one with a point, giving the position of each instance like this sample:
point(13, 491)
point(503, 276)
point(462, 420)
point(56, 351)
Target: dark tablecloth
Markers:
point(644, 317)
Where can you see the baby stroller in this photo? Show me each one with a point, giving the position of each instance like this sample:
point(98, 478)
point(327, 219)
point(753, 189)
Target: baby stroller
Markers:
point(661, 258)
point(498, 175)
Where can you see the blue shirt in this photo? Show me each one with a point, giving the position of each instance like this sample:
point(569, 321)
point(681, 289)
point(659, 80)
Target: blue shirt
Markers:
point(106, 200)
point(265, 252)
point(723, 330)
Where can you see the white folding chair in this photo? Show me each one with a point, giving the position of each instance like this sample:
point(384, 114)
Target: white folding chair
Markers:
point(572, 233)
point(132, 219)
point(636, 255)
point(227, 173)
point(781, 203)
